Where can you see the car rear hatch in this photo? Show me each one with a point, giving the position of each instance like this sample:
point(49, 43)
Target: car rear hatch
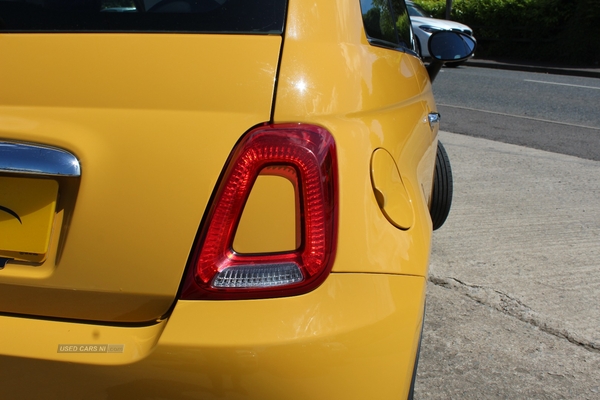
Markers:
point(141, 103)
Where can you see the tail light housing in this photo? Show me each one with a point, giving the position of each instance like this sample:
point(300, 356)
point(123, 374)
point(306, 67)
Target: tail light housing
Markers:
point(216, 271)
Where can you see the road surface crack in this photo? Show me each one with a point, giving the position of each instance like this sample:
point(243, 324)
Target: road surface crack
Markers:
point(512, 306)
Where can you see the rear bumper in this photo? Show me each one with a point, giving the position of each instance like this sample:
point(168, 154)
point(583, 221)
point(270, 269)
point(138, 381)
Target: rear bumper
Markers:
point(354, 337)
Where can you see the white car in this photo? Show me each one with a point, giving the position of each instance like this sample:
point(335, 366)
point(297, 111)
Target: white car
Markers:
point(423, 26)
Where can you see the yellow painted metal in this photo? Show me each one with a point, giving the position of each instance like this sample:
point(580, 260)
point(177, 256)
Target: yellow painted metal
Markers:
point(26, 216)
point(152, 119)
point(268, 223)
point(76, 342)
point(140, 72)
point(390, 191)
point(143, 112)
point(355, 337)
point(368, 97)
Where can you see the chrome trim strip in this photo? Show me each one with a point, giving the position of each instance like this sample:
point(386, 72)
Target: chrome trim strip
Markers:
point(36, 159)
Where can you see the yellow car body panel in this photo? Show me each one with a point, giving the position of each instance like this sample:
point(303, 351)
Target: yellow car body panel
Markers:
point(268, 223)
point(152, 135)
point(369, 98)
point(140, 72)
point(302, 347)
point(153, 124)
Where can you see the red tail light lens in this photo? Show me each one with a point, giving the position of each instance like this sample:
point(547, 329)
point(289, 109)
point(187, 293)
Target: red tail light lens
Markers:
point(217, 271)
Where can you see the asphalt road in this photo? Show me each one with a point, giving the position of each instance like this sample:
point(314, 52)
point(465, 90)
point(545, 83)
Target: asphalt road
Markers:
point(513, 309)
point(548, 112)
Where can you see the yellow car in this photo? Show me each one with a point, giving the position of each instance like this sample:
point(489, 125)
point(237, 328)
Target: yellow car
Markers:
point(215, 199)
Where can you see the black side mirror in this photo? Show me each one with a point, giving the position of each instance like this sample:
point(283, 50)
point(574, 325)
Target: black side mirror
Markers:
point(448, 46)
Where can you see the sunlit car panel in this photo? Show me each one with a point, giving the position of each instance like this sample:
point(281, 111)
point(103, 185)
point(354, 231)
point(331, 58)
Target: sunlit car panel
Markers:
point(152, 157)
point(151, 147)
point(294, 348)
point(369, 97)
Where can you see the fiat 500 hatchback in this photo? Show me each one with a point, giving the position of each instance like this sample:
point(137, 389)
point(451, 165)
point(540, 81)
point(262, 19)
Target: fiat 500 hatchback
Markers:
point(209, 199)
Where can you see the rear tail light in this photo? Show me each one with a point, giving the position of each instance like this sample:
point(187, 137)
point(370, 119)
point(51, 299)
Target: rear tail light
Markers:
point(216, 271)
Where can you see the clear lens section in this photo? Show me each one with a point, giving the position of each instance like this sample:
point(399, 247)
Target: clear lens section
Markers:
point(248, 276)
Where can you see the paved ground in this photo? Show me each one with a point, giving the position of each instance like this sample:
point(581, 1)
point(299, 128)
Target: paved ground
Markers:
point(514, 294)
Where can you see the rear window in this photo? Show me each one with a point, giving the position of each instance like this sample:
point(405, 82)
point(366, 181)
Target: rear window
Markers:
point(387, 23)
point(206, 16)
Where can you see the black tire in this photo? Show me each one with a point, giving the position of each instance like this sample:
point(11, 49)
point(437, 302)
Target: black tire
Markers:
point(441, 197)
